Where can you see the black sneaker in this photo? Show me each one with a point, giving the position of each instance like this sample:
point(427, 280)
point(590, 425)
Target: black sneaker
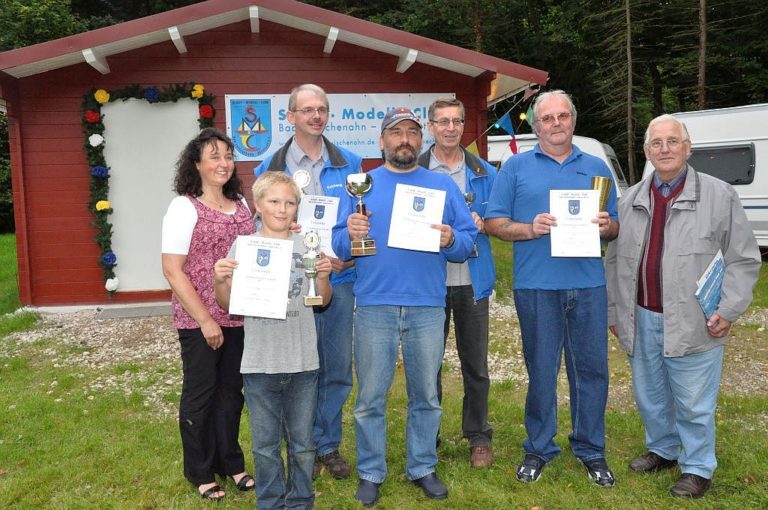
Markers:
point(599, 471)
point(530, 470)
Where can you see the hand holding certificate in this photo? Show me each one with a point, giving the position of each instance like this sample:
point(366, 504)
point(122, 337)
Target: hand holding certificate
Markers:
point(262, 276)
point(574, 235)
point(414, 211)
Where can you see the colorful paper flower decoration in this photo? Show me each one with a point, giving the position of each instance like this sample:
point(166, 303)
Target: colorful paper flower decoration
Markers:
point(109, 259)
point(92, 117)
point(93, 132)
point(95, 140)
point(206, 111)
point(101, 96)
point(151, 94)
point(100, 171)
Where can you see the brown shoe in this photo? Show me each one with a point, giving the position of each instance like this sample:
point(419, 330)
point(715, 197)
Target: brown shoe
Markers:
point(481, 456)
point(651, 462)
point(336, 464)
point(690, 486)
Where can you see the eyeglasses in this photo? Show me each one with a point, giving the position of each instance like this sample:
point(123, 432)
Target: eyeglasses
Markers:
point(672, 143)
point(310, 112)
point(409, 133)
point(447, 122)
point(550, 119)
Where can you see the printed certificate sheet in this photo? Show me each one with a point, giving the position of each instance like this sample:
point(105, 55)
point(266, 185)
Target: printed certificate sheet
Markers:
point(319, 213)
point(260, 282)
point(575, 235)
point(414, 210)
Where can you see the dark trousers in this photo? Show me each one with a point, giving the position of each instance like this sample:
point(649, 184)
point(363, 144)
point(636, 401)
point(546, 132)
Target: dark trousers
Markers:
point(470, 320)
point(211, 404)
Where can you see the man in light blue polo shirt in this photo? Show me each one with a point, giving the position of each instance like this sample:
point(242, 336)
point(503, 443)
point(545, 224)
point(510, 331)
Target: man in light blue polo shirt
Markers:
point(561, 301)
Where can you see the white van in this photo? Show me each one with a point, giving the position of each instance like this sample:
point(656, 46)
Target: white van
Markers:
point(732, 145)
point(499, 151)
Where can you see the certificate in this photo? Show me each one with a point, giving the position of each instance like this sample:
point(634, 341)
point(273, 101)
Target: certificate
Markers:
point(260, 282)
point(414, 211)
point(575, 235)
point(318, 213)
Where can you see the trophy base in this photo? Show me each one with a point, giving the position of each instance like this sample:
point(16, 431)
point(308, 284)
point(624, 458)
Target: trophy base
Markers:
point(363, 247)
point(313, 300)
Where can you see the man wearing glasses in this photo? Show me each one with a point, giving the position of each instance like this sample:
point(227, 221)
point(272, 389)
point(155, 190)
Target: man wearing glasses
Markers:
point(469, 283)
point(561, 301)
point(673, 225)
point(321, 168)
point(400, 294)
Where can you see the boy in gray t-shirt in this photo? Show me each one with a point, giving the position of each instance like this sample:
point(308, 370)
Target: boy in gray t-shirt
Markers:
point(280, 360)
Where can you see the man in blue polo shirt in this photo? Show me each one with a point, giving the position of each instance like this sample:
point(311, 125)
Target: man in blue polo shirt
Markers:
point(561, 301)
point(400, 303)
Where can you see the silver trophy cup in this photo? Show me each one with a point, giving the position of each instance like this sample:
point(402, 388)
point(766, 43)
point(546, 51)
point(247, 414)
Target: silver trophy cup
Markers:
point(358, 184)
point(309, 259)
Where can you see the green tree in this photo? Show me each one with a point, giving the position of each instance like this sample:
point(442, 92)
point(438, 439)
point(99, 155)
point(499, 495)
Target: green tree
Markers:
point(25, 23)
point(6, 194)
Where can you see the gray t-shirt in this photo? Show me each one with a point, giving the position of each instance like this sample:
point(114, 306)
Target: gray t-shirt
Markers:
point(283, 346)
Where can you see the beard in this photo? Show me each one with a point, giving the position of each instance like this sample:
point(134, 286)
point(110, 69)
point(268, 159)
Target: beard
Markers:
point(401, 161)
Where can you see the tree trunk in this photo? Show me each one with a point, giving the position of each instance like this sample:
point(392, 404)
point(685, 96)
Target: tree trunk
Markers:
point(630, 126)
point(702, 54)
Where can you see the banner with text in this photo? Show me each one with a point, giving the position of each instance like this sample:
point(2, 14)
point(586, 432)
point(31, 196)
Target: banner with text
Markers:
point(258, 124)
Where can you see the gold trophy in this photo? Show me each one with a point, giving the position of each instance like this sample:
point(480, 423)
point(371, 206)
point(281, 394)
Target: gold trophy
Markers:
point(312, 242)
point(470, 198)
point(358, 184)
point(603, 185)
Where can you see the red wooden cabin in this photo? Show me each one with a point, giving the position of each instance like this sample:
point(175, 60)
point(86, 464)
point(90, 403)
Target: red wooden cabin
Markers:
point(230, 46)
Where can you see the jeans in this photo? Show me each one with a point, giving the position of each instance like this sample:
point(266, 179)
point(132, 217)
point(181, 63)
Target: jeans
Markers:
point(334, 380)
point(211, 405)
point(282, 406)
point(470, 319)
point(676, 397)
point(379, 331)
point(574, 320)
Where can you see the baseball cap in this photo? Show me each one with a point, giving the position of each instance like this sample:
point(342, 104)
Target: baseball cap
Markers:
point(397, 115)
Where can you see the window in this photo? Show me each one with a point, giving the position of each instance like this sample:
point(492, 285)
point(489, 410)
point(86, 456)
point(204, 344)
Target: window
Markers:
point(734, 164)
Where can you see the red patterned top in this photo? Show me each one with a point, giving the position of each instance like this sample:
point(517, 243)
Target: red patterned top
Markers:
point(213, 235)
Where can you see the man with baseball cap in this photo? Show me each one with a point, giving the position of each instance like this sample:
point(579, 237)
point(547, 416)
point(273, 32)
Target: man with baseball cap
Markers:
point(400, 301)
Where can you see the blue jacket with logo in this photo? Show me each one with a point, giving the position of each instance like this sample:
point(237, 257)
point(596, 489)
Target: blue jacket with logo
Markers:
point(333, 178)
point(479, 180)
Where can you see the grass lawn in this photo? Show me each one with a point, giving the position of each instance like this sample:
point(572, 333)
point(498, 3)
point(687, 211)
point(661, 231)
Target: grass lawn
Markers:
point(9, 285)
point(67, 441)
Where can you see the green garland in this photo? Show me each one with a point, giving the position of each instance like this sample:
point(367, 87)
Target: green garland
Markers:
point(93, 130)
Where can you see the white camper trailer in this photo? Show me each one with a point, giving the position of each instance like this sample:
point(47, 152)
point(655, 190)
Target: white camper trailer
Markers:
point(732, 145)
point(499, 151)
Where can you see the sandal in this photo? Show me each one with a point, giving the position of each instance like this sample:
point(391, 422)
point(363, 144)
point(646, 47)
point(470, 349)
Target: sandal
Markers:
point(209, 494)
point(243, 483)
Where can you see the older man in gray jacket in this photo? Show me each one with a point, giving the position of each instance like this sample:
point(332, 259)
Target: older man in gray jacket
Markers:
point(673, 224)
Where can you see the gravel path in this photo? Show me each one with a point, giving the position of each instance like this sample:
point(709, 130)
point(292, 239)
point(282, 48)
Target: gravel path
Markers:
point(117, 349)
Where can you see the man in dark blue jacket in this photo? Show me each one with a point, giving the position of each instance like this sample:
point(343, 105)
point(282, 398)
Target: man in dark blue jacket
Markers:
point(323, 168)
point(470, 283)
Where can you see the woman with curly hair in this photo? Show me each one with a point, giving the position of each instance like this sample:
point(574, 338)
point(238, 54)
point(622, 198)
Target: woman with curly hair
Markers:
point(198, 229)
